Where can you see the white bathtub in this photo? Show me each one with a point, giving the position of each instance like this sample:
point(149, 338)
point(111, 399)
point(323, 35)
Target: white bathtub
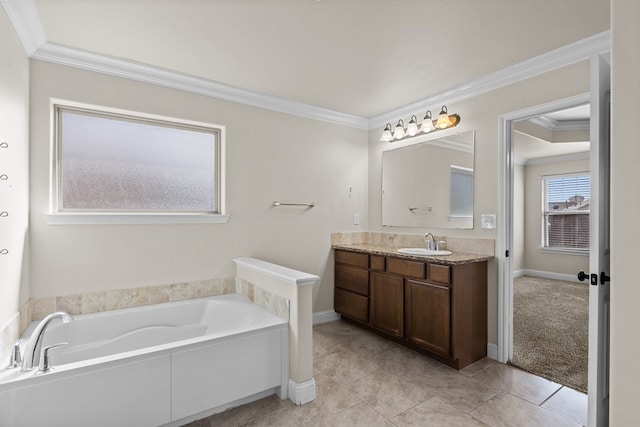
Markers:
point(163, 364)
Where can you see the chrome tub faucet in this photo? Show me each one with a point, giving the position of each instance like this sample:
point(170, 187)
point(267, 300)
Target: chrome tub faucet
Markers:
point(32, 346)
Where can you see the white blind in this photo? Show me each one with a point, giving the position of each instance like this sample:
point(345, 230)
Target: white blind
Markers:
point(566, 206)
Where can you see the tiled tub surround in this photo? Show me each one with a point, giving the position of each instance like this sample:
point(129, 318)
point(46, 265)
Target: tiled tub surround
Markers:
point(162, 364)
point(464, 249)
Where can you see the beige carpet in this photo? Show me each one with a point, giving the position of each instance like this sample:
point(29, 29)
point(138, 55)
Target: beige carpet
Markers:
point(550, 329)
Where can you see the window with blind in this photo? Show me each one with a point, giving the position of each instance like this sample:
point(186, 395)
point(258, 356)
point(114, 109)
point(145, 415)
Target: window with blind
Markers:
point(566, 203)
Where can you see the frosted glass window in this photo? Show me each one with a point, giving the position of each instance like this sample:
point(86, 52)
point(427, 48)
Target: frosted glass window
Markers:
point(119, 163)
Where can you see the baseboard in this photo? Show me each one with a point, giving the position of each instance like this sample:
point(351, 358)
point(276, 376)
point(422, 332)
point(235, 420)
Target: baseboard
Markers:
point(492, 351)
point(547, 275)
point(301, 393)
point(325, 316)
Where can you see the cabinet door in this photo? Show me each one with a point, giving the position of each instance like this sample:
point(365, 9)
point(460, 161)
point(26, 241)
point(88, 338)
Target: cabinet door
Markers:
point(386, 301)
point(428, 316)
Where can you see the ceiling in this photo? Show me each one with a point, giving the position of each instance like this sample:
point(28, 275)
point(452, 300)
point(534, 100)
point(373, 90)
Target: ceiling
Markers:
point(359, 57)
point(557, 135)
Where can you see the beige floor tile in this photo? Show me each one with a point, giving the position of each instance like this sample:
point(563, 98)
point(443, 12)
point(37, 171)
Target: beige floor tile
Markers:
point(518, 382)
point(331, 398)
point(281, 418)
point(360, 415)
point(435, 412)
point(478, 367)
point(368, 344)
point(246, 413)
point(506, 410)
point(389, 394)
point(463, 392)
point(345, 366)
point(404, 362)
point(569, 403)
point(325, 344)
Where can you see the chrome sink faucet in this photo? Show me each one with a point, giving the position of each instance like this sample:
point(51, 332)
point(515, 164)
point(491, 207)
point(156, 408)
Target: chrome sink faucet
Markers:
point(431, 241)
point(31, 348)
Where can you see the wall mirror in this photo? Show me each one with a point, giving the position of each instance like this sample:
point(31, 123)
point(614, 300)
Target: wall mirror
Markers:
point(429, 184)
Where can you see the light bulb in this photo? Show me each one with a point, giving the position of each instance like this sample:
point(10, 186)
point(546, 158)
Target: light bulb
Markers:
point(427, 123)
point(386, 133)
point(399, 132)
point(443, 119)
point(412, 127)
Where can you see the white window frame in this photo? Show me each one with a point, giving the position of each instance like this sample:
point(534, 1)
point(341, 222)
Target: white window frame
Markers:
point(57, 215)
point(543, 237)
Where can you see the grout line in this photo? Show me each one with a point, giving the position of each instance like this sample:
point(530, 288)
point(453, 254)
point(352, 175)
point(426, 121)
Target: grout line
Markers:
point(552, 394)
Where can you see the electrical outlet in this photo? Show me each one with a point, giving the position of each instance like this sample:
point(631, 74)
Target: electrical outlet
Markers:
point(356, 219)
point(488, 221)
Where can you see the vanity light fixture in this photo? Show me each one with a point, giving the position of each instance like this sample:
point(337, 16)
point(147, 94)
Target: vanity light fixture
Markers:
point(412, 127)
point(427, 123)
point(399, 132)
point(444, 121)
point(386, 134)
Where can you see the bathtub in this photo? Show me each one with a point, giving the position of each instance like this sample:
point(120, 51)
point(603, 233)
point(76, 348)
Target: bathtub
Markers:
point(164, 364)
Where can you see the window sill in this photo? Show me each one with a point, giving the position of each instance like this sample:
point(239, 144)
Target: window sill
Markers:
point(113, 218)
point(583, 252)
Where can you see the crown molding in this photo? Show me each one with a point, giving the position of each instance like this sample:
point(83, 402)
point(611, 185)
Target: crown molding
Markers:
point(553, 125)
point(72, 57)
point(561, 57)
point(26, 21)
point(584, 155)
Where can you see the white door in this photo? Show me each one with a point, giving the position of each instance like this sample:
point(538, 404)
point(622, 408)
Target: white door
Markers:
point(598, 382)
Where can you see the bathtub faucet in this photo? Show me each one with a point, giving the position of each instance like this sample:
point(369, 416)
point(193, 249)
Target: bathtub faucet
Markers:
point(35, 340)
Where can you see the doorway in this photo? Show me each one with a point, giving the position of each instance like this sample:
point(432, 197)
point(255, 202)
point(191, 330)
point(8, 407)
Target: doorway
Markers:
point(598, 275)
point(551, 202)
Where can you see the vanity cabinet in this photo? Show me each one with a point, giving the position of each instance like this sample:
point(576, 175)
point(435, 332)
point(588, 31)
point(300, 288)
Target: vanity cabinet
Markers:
point(437, 309)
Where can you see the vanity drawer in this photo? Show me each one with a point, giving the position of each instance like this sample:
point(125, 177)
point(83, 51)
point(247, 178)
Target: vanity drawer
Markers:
point(377, 262)
point(439, 273)
point(352, 279)
point(351, 305)
point(405, 267)
point(352, 258)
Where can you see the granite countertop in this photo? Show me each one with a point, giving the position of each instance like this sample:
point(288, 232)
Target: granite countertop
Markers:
point(454, 258)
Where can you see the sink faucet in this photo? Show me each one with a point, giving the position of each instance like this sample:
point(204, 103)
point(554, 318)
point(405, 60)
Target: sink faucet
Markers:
point(431, 241)
point(35, 340)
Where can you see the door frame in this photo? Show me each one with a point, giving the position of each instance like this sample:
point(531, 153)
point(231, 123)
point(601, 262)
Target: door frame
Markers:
point(505, 212)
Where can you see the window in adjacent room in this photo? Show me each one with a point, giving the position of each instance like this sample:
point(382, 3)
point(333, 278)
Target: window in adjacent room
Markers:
point(566, 211)
point(118, 163)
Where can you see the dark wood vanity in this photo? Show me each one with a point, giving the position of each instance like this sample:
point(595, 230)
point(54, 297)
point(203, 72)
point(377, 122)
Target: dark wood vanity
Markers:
point(438, 308)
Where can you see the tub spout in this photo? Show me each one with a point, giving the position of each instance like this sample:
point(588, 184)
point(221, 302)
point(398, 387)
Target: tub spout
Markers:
point(31, 349)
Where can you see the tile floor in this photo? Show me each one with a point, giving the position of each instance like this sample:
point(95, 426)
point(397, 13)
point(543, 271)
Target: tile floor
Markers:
point(365, 380)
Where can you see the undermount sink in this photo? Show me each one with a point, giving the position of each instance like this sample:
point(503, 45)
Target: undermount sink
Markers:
point(423, 252)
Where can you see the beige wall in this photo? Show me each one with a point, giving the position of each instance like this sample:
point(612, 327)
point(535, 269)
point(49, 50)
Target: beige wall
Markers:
point(481, 114)
point(519, 216)
point(269, 156)
point(625, 204)
point(534, 259)
point(14, 162)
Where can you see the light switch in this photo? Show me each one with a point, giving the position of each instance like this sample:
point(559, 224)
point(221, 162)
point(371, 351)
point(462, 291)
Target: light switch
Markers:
point(488, 221)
